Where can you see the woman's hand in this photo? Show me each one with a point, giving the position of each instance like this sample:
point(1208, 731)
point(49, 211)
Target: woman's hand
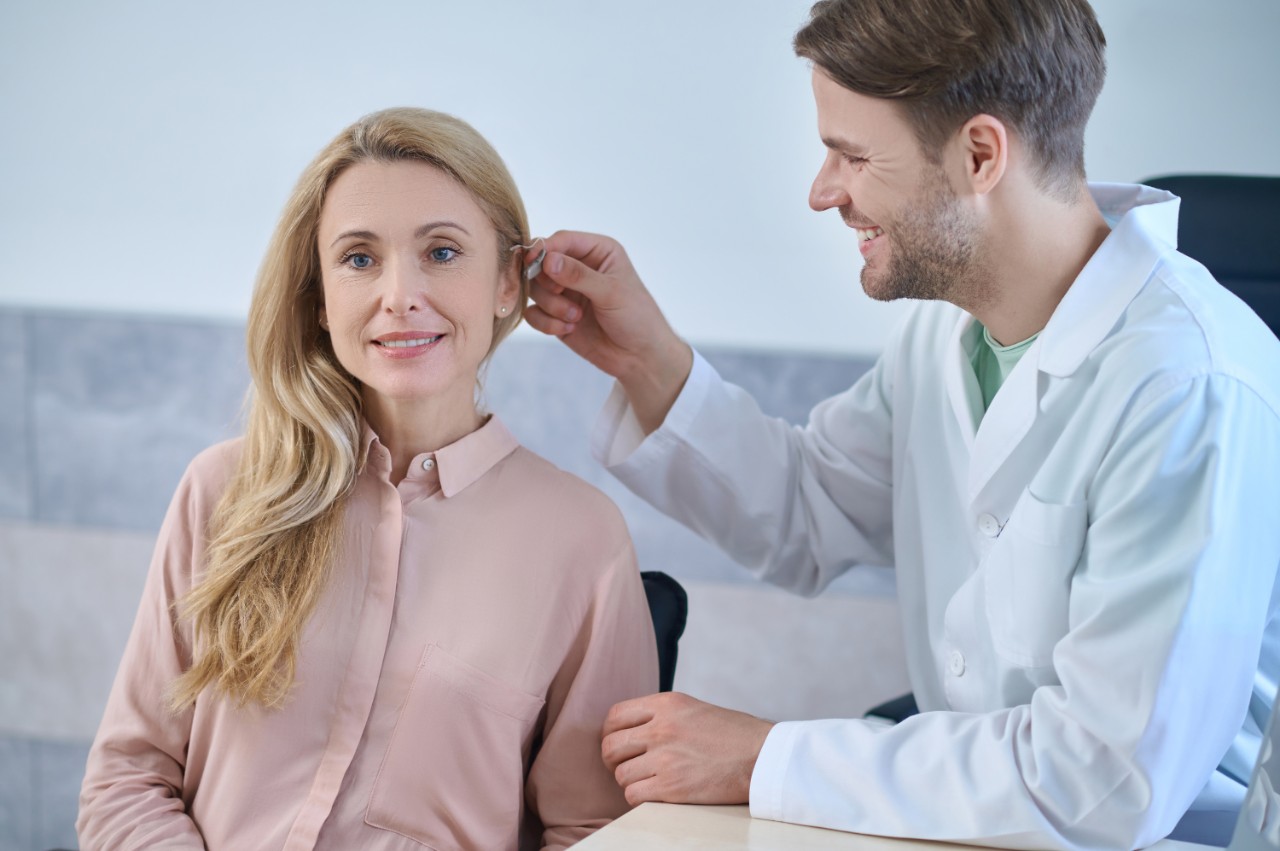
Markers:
point(589, 295)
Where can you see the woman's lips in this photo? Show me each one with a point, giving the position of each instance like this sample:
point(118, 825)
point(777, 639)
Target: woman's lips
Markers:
point(406, 344)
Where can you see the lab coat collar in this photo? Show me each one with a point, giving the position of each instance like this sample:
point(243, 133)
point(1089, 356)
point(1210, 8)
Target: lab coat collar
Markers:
point(1144, 224)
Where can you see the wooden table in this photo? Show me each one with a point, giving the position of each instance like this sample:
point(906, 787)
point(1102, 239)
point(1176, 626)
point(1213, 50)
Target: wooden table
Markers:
point(670, 827)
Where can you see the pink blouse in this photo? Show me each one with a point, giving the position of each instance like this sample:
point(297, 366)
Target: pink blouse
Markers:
point(451, 685)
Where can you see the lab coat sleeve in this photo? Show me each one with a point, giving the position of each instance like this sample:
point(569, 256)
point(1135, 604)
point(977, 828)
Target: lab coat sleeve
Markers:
point(795, 505)
point(131, 795)
point(1167, 609)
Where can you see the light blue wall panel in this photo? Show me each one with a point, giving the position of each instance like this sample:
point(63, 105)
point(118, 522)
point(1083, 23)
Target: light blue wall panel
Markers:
point(15, 473)
point(120, 405)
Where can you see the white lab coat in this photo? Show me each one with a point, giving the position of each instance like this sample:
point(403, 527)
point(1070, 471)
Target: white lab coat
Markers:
point(1086, 579)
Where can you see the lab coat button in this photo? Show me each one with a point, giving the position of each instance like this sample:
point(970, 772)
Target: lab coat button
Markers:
point(428, 463)
point(956, 663)
point(988, 525)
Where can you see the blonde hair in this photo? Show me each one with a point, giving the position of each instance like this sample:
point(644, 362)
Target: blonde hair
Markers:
point(274, 534)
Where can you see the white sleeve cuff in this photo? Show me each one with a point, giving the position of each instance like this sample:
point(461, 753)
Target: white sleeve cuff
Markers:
point(617, 435)
point(769, 775)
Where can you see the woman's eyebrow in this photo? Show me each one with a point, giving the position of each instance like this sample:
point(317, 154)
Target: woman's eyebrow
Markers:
point(422, 231)
point(444, 223)
point(359, 234)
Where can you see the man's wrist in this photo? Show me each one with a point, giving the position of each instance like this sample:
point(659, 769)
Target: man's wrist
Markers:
point(653, 387)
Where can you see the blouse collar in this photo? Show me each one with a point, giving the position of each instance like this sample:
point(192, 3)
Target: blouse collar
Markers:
point(460, 463)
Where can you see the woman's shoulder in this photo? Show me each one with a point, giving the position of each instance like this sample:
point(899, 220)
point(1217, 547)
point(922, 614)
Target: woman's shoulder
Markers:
point(217, 461)
point(547, 492)
point(569, 489)
point(571, 534)
point(207, 475)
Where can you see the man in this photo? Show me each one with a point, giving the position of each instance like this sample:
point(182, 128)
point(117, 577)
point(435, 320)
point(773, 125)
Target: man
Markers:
point(1069, 451)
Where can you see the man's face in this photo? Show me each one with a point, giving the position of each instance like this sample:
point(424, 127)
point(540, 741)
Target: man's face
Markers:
point(916, 237)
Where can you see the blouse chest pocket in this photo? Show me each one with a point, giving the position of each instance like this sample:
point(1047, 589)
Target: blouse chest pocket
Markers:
point(1028, 579)
point(453, 774)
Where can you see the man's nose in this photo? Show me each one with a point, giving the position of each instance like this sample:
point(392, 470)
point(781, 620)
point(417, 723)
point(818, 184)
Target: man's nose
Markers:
point(826, 191)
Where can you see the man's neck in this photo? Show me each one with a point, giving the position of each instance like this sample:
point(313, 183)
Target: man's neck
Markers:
point(1037, 246)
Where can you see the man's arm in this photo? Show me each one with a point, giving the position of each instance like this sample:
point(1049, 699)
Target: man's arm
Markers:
point(590, 296)
point(1168, 608)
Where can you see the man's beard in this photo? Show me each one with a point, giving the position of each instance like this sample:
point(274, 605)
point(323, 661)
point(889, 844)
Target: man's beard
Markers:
point(934, 254)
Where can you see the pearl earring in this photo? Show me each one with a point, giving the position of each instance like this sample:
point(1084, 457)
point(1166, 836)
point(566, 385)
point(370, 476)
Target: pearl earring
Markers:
point(504, 311)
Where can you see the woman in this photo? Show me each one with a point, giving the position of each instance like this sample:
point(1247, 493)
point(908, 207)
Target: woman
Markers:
point(376, 621)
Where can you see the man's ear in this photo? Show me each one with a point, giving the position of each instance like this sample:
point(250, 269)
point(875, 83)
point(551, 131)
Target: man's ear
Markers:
point(984, 144)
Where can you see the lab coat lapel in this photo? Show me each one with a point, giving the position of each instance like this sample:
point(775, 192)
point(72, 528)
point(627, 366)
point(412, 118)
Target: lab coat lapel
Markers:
point(961, 383)
point(1006, 422)
point(1090, 309)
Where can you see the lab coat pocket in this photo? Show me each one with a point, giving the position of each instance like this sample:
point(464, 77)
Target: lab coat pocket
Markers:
point(453, 774)
point(1028, 579)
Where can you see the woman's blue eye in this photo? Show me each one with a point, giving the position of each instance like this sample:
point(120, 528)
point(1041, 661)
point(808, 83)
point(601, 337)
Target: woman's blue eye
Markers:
point(360, 261)
point(443, 255)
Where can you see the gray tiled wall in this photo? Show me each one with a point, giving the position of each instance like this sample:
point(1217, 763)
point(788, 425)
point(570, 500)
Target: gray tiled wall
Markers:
point(118, 408)
point(104, 414)
point(39, 790)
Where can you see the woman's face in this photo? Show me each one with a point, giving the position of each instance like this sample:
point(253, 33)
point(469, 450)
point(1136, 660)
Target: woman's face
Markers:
point(412, 282)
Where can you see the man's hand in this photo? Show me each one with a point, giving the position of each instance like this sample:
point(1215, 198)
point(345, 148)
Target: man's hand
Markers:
point(590, 296)
point(670, 747)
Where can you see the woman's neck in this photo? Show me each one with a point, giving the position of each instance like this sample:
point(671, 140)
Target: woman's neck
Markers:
point(408, 428)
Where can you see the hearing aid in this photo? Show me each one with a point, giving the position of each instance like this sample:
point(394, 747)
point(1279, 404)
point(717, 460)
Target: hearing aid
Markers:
point(535, 267)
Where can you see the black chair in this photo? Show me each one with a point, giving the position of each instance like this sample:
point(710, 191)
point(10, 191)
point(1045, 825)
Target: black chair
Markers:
point(1228, 223)
point(669, 606)
point(898, 709)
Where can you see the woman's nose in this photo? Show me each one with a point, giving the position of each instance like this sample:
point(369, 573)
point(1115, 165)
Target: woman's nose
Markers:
point(404, 287)
point(826, 191)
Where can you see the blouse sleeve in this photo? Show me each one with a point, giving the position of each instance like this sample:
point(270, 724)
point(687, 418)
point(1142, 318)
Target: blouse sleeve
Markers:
point(132, 791)
point(613, 658)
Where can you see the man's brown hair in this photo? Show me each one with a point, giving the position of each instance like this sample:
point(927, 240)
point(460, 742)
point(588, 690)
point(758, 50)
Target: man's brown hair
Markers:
point(1037, 65)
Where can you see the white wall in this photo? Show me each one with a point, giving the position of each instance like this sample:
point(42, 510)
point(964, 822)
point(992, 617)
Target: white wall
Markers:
point(147, 146)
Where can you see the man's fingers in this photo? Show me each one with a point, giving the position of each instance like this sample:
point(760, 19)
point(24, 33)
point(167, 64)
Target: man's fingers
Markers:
point(622, 748)
point(648, 789)
point(598, 252)
point(629, 713)
point(577, 276)
point(555, 303)
point(540, 320)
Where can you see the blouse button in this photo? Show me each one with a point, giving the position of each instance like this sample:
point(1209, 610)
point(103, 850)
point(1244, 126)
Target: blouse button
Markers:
point(428, 463)
point(956, 663)
point(988, 525)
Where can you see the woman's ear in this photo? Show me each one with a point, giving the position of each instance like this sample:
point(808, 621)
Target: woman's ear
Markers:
point(324, 318)
point(509, 286)
point(984, 141)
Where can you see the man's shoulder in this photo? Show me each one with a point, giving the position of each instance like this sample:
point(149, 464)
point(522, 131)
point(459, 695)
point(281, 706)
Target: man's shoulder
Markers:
point(1183, 322)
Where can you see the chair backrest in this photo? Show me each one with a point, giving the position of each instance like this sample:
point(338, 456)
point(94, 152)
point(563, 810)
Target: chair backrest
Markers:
point(669, 606)
point(1229, 223)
